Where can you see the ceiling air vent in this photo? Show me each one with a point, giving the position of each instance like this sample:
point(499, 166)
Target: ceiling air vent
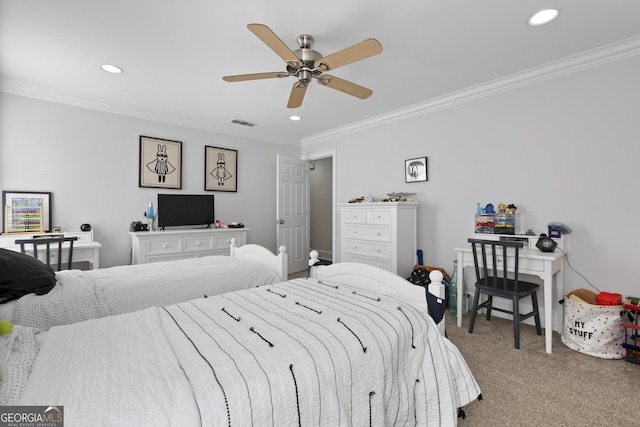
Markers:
point(242, 123)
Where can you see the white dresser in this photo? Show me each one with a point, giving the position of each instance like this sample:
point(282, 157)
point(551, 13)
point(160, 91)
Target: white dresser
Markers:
point(381, 234)
point(154, 246)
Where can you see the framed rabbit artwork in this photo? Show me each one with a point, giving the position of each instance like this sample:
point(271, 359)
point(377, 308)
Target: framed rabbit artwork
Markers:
point(160, 163)
point(220, 169)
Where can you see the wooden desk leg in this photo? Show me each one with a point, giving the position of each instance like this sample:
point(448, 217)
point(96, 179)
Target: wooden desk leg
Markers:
point(460, 288)
point(548, 306)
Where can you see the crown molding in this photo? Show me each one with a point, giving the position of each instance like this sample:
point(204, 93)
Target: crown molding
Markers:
point(129, 110)
point(571, 64)
point(588, 59)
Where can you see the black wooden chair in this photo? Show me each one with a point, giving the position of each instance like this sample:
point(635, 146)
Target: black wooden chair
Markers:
point(492, 279)
point(49, 242)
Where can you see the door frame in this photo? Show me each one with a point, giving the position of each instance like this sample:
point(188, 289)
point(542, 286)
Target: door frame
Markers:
point(334, 195)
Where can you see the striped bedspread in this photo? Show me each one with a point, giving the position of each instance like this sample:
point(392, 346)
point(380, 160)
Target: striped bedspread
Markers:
point(299, 353)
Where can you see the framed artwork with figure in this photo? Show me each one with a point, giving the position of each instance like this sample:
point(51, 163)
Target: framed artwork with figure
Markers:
point(220, 169)
point(160, 163)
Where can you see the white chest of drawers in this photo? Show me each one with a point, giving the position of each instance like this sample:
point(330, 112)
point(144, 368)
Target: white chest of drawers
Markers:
point(379, 234)
point(154, 246)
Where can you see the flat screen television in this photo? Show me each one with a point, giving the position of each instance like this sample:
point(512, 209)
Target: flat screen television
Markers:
point(185, 209)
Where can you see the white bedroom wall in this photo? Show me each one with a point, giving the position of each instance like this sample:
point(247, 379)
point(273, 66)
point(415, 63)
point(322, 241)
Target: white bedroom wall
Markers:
point(89, 160)
point(564, 149)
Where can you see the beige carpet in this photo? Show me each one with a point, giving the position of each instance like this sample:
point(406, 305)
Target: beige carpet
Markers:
point(529, 387)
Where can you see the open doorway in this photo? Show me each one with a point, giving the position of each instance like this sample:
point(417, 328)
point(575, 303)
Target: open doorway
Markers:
point(321, 207)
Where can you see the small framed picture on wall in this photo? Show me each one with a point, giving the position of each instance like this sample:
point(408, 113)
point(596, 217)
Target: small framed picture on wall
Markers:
point(26, 211)
point(160, 163)
point(220, 169)
point(415, 170)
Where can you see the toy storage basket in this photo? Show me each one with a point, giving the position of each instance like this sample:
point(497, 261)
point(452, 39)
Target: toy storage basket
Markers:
point(592, 329)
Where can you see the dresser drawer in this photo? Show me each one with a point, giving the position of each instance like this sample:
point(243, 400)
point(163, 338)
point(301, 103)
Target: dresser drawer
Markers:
point(385, 264)
point(363, 247)
point(223, 242)
point(354, 216)
point(378, 216)
point(169, 245)
point(83, 236)
point(197, 243)
point(363, 232)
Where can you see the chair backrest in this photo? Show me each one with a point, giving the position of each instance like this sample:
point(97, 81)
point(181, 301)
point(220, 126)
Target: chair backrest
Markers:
point(497, 250)
point(49, 242)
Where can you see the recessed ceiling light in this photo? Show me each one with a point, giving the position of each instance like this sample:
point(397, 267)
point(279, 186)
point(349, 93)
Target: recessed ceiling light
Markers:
point(543, 17)
point(295, 118)
point(112, 69)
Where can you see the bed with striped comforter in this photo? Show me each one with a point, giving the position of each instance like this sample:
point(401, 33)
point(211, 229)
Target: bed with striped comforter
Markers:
point(303, 352)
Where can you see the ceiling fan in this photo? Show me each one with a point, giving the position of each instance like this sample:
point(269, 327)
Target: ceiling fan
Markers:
point(306, 64)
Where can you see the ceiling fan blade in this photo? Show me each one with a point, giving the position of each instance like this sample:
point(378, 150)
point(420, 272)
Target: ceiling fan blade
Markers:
point(269, 38)
point(256, 76)
point(297, 95)
point(357, 52)
point(345, 86)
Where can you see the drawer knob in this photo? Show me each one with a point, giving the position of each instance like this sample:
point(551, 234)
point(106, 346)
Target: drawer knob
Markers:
point(198, 243)
point(378, 233)
point(378, 216)
point(355, 231)
point(164, 245)
point(378, 250)
point(355, 247)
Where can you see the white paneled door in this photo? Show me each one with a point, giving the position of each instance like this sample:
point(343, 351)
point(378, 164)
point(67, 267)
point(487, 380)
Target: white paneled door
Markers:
point(292, 215)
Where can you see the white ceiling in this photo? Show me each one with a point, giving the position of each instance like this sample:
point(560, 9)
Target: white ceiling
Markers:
point(175, 53)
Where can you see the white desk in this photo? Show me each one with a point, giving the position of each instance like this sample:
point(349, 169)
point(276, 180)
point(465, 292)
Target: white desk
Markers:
point(84, 249)
point(545, 265)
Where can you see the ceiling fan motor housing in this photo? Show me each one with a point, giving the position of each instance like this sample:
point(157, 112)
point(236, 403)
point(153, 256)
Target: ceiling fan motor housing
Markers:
point(305, 53)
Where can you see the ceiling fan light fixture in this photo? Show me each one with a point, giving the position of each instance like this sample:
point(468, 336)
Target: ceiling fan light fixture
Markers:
point(305, 77)
point(111, 69)
point(543, 17)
